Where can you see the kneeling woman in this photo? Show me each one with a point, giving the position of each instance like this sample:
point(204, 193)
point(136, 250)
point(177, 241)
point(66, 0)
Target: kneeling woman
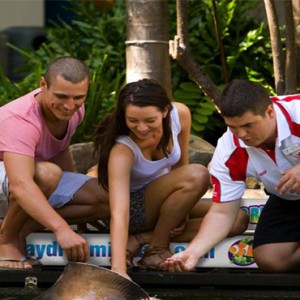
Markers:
point(143, 164)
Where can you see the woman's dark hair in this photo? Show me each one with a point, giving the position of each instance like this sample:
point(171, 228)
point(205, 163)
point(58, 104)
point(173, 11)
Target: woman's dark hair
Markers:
point(142, 93)
point(241, 96)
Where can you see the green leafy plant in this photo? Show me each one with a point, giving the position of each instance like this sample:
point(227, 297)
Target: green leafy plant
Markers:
point(247, 50)
point(202, 108)
point(97, 37)
point(101, 99)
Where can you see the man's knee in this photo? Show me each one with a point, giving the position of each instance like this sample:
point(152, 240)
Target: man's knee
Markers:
point(268, 261)
point(47, 176)
point(271, 266)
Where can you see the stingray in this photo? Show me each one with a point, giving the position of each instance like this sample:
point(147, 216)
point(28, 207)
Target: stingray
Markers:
point(80, 281)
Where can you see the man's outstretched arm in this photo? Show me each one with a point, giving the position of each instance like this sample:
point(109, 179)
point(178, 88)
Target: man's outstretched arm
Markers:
point(215, 227)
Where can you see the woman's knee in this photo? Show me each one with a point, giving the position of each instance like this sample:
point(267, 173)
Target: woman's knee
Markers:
point(197, 177)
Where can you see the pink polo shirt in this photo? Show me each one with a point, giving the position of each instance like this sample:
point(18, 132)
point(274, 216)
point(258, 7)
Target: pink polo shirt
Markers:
point(23, 130)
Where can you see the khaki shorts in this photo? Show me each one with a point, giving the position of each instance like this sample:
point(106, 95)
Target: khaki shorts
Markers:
point(3, 191)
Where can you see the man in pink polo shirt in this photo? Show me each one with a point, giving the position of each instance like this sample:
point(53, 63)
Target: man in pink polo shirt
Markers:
point(37, 183)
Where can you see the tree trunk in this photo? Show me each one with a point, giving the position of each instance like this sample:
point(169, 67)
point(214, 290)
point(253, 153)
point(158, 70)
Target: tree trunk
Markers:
point(220, 42)
point(291, 56)
point(147, 45)
point(180, 50)
point(296, 15)
point(276, 46)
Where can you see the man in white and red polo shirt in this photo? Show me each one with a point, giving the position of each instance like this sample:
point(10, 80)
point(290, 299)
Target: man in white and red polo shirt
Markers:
point(262, 141)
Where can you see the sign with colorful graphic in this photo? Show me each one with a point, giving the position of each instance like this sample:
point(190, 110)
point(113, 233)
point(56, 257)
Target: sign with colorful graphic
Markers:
point(230, 253)
point(253, 203)
point(235, 252)
point(241, 252)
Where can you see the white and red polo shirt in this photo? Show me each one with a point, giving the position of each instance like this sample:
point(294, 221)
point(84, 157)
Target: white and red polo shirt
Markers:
point(233, 161)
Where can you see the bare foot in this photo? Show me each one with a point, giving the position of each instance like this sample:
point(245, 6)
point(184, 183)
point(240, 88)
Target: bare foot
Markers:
point(11, 257)
point(10, 263)
point(29, 227)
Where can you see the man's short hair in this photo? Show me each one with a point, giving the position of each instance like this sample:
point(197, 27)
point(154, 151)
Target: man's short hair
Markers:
point(241, 96)
point(69, 68)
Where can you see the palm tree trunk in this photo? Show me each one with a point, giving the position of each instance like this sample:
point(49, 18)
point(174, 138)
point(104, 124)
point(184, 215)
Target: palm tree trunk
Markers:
point(180, 50)
point(276, 46)
point(291, 50)
point(147, 45)
point(296, 16)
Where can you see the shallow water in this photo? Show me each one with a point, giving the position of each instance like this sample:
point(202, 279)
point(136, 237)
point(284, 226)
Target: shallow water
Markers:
point(178, 294)
point(224, 295)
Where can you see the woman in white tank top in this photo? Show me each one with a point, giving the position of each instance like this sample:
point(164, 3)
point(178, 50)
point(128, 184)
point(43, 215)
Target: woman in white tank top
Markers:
point(143, 165)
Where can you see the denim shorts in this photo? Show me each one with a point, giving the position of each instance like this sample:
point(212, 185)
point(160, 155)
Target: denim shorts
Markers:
point(69, 184)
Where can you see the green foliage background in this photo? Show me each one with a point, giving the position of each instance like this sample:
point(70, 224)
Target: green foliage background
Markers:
point(97, 36)
point(248, 55)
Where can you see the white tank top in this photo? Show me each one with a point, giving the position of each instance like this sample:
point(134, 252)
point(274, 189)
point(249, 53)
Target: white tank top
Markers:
point(144, 170)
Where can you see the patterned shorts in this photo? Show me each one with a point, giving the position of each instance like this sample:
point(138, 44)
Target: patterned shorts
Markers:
point(137, 219)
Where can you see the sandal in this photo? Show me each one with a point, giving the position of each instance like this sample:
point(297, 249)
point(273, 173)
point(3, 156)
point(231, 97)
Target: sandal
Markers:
point(98, 225)
point(129, 259)
point(154, 258)
point(139, 242)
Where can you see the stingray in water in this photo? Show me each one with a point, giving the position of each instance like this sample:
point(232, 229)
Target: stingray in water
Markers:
point(80, 281)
